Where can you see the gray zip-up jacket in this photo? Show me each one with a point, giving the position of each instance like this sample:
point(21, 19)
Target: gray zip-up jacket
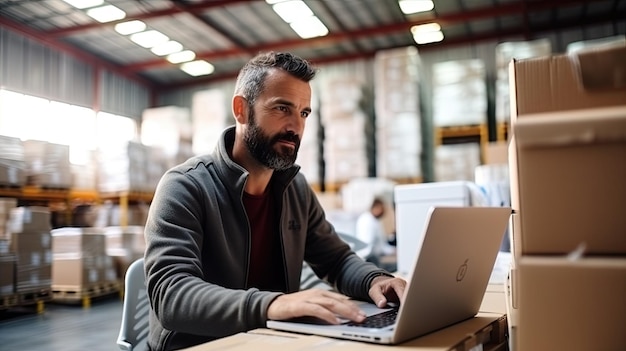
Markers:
point(198, 250)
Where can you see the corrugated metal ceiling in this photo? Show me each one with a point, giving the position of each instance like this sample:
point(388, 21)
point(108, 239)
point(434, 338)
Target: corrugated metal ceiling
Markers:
point(227, 33)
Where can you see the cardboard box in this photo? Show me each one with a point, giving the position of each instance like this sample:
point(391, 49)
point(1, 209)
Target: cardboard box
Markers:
point(76, 272)
point(484, 332)
point(566, 154)
point(562, 82)
point(7, 274)
point(572, 305)
point(27, 219)
point(569, 181)
point(81, 241)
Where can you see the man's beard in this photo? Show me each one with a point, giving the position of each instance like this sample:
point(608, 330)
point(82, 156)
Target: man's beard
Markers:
point(261, 146)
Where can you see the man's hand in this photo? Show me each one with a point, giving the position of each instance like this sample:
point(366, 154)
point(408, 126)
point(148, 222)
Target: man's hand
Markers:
point(326, 305)
point(385, 289)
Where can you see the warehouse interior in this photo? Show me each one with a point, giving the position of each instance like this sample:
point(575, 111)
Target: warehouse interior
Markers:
point(416, 102)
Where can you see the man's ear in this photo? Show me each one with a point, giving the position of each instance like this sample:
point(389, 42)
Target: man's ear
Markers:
point(240, 109)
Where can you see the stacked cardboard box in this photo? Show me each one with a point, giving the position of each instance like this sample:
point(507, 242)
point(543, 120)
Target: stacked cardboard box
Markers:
point(568, 165)
point(80, 260)
point(398, 118)
point(129, 166)
point(6, 205)
point(344, 121)
point(12, 164)
point(456, 161)
point(47, 164)
point(165, 127)
point(7, 274)
point(30, 242)
point(84, 175)
point(459, 93)
point(210, 114)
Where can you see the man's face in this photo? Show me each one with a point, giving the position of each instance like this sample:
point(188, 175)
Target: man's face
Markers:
point(269, 149)
point(276, 120)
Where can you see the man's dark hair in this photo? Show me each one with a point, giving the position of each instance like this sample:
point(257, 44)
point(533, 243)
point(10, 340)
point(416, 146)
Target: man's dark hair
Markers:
point(251, 78)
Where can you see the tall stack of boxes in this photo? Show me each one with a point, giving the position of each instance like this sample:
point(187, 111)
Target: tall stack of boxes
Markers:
point(30, 241)
point(459, 99)
point(122, 167)
point(210, 114)
point(459, 93)
point(344, 124)
point(8, 258)
point(47, 164)
point(567, 157)
point(12, 164)
point(398, 119)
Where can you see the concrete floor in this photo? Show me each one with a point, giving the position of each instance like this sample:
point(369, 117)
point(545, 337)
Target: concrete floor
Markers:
point(64, 327)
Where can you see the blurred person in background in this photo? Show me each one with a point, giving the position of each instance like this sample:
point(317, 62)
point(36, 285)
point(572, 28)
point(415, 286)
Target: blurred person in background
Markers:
point(370, 230)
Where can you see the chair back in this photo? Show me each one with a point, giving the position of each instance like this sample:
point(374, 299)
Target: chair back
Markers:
point(133, 335)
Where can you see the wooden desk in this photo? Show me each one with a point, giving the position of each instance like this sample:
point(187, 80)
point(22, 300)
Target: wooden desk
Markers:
point(487, 332)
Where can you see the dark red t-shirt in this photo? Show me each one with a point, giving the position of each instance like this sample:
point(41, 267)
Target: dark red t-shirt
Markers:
point(266, 262)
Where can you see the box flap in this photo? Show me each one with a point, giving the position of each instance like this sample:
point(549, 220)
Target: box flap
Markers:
point(604, 125)
point(602, 67)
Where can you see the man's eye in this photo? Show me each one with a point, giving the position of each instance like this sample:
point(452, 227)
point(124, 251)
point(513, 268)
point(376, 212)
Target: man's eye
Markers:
point(305, 114)
point(283, 108)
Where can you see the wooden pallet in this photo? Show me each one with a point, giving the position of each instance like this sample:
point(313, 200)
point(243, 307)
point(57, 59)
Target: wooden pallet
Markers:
point(84, 294)
point(8, 301)
point(32, 297)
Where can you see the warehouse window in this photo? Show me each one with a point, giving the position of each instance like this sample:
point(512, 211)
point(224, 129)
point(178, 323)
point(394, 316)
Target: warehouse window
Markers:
point(32, 118)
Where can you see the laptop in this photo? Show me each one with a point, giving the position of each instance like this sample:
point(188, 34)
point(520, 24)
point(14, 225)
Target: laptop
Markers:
point(446, 285)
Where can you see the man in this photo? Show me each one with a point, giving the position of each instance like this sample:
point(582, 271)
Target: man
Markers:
point(370, 230)
point(228, 232)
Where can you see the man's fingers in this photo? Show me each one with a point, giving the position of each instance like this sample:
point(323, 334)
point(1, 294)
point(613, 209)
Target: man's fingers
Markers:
point(386, 290)
point(326, 305)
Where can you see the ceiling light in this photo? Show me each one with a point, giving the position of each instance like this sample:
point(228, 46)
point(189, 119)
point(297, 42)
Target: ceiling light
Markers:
point(427, 33)
point(169, 47)
point(414, 6)
point(182, 56)
point(197, 68)
point(149, 38)
point(130, 27)
point(291, 11)
point(106, 13)
point(83, 4)
point(310, 27)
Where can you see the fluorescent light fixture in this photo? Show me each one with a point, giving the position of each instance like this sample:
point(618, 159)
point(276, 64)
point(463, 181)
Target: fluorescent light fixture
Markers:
point(414, 6)
point(427, 33)
point(169, 47)
point(106, 13)
point(197, 68)
point(291, 11)
point(182, 56)
point(130, 27)
point(310, 27)
point(83, 4)
point(149, 38)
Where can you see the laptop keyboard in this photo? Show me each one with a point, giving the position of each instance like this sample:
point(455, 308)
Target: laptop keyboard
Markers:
point(379, 320)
